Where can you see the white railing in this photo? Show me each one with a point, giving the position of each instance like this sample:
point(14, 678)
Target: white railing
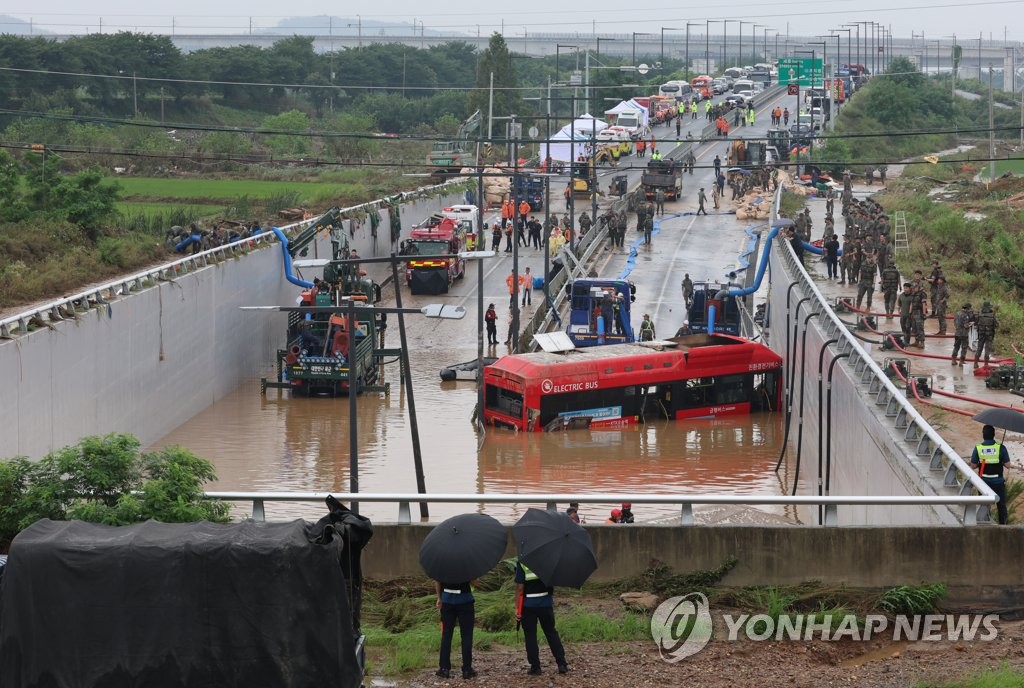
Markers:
point(686, 502)
point(69, 306)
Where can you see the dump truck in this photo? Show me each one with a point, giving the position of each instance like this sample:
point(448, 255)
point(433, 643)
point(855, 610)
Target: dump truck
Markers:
point(665, 174)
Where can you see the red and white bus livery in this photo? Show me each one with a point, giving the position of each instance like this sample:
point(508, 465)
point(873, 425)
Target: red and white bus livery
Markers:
point(697, 376)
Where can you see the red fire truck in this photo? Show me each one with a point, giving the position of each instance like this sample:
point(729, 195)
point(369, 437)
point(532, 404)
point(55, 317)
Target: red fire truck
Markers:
point(433, 251)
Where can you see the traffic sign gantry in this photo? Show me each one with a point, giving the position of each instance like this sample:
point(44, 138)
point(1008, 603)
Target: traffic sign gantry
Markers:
point(806, 71)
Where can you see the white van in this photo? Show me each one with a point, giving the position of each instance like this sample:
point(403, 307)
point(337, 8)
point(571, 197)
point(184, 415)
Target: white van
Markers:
point(630, 122)
point(743, 85)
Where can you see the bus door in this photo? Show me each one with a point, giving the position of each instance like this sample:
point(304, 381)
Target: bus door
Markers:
point(766, 392)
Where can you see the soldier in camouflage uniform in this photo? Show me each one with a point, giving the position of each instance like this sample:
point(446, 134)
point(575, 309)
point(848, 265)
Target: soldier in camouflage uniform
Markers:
point(623, 222)
point(906, 302)
point(890, 288)
point(940, 300)
point(987, 326)
point(961, 329)
point(866, 285)
point(918, 308)
point(846, 261)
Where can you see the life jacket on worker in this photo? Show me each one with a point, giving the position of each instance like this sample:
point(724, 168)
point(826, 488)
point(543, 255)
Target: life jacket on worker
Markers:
point(534, 587)
point(988, 458)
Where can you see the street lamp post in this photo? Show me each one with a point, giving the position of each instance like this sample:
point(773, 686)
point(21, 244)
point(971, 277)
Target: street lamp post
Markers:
point(753, 42)
point(635, 34)
point(558, 48)
point(725, 41)
point(686, 67)
point(479, 256)
point(824, 60)
point(849, 32)
point(707, 43)
point(601, 38)
point(663, 30)
point(740, 49)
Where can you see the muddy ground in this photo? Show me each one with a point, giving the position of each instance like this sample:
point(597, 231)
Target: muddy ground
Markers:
point(724, 664)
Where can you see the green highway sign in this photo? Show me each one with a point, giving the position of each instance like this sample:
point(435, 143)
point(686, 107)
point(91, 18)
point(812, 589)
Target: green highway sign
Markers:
point(806, 71)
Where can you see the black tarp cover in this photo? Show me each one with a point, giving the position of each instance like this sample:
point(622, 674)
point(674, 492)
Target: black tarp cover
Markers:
point(154, 604)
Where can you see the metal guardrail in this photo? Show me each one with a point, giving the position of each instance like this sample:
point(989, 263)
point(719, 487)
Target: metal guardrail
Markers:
point(68, 307)
point(957, 475)
point(686, 502)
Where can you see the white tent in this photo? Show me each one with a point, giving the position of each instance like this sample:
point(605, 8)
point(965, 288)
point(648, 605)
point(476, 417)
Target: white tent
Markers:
point(623, 106)
point(586, 124)
point(629, 106)
point(564, 147)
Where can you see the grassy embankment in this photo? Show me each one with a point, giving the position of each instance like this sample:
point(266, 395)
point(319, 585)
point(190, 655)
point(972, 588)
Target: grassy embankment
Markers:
point(400, 618)
point(1004, 677)
point(54, 259)
point(983, 258)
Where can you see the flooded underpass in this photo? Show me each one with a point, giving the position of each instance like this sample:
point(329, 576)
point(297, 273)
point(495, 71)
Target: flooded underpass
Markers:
point(281, 443)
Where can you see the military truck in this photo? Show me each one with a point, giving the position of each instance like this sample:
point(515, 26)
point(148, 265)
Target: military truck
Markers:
point(665, 174)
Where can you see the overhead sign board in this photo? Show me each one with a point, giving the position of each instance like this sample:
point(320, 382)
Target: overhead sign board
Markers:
point(806, 71)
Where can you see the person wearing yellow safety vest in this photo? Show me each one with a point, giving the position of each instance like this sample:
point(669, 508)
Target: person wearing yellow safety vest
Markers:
point(990, 456)
point(535, 603)
point(457, 605)
point(750, 116)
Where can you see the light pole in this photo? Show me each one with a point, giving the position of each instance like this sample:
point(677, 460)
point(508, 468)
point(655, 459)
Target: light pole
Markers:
point(849, 32)
point(775, 56)
point(686, 67)
point(599, 39)
point(635, 34)
point(725, 41)
point(753, 42)
point(707, 43)
point(558, 49)
point(479, 256)
point(741, 42)
point(663, 30)
point(824, 60)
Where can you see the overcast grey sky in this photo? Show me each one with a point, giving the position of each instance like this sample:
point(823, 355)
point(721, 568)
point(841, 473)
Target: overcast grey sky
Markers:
point(935, 18)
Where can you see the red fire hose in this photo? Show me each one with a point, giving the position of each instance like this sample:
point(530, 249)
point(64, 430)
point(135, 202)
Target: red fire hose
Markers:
point(857, 310)
point(913, 388)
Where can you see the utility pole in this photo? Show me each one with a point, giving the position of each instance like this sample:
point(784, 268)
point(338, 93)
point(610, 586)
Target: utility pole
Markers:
point(490, 111)
point(991, 131)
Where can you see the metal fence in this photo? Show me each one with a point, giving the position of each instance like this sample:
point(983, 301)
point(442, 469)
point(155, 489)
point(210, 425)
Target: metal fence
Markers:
point(550, 501)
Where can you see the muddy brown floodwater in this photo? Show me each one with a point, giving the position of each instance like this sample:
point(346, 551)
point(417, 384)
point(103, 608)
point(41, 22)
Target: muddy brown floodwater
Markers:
point(279, 443)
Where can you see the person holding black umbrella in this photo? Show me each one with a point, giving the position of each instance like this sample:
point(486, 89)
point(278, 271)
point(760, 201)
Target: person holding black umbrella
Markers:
point(457, 605)
point(535, 603)
point(990, 457)
point(461, 548)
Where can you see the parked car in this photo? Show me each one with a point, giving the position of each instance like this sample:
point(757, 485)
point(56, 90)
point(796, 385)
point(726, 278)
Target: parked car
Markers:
point(738, 99)
point(800, 134)
point(719, 86)
point(817, 118)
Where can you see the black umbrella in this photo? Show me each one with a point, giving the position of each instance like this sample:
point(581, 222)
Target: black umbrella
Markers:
point(554, 547)
point(1005, 418)
point(463, 547)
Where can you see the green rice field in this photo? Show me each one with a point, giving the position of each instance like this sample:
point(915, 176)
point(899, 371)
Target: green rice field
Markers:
point(225, 191)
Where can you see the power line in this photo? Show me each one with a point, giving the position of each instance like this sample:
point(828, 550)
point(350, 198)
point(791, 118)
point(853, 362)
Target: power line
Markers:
point(585, 12)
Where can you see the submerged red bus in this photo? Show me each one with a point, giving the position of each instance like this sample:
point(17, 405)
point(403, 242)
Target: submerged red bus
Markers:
point(697, 376)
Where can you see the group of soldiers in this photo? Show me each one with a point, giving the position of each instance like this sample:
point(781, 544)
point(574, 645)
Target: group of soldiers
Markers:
point(867, 253)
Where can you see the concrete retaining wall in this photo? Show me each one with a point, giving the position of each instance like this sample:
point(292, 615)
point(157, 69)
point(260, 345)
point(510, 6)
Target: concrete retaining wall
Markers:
point(869, 456)
point(859, 557)
point(147, 363)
